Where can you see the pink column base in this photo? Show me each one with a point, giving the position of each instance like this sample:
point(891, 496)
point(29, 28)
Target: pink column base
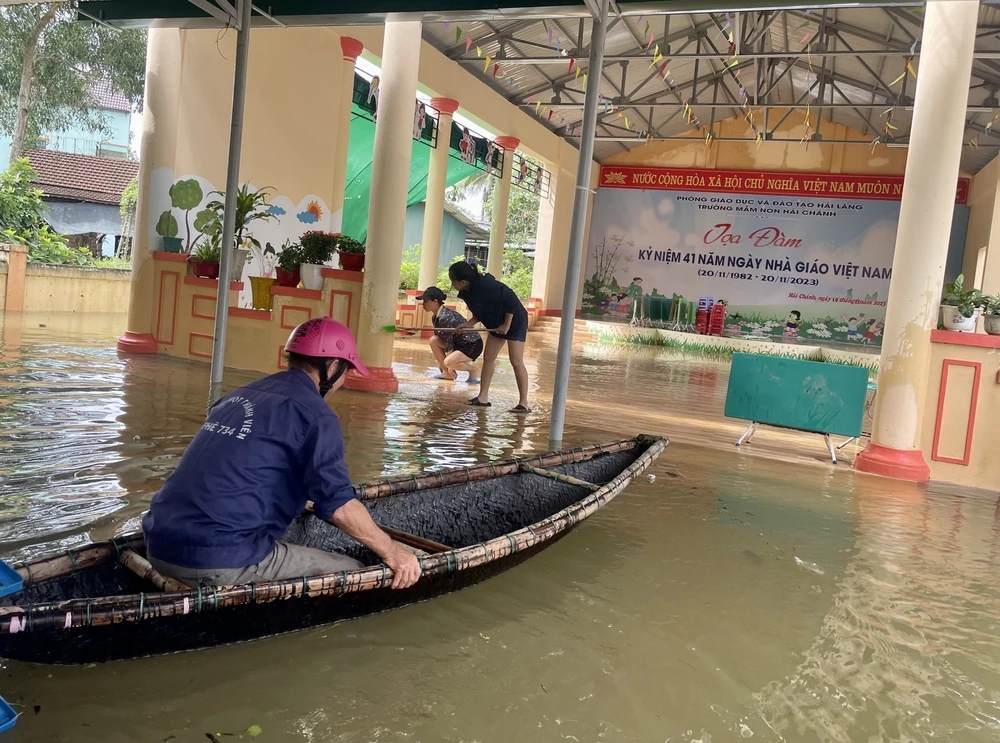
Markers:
point(137, 343)
point(381, 380)
point(902, 464)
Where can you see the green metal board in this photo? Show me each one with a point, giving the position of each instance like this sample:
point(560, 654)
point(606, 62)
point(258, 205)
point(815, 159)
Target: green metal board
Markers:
point(792, 393)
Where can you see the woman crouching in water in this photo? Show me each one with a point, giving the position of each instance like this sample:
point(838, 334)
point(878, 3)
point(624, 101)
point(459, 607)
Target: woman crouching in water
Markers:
point(495, 305)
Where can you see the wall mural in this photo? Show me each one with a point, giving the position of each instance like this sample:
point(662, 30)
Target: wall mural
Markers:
point(178, 207)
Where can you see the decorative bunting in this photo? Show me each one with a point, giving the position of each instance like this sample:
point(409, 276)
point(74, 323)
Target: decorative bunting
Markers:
point(487, 65)
point(909, 68)
point(458, 36)
point(446, 25)
point(572, 62)
point(577, 72)
point(468, 43)
point(550, 35)
point(479, 52)
point(496, 68)
point(650, 43)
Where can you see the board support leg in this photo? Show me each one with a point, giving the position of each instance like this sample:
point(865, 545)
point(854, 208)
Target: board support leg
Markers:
point(747, 435)
point(841, 446)
point(829, 446)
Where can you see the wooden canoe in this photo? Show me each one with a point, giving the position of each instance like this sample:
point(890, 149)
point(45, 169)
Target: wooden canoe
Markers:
point(86, 606)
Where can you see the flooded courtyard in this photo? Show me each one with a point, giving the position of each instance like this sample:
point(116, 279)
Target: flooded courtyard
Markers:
point(759, 594)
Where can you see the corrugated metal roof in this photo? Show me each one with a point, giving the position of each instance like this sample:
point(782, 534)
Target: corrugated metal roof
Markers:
point(862, 84)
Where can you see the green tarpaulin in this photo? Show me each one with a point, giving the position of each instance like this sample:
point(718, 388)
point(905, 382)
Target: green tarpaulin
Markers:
point(359, 175)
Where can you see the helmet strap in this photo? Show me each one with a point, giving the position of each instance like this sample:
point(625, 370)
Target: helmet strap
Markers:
point(326, 382)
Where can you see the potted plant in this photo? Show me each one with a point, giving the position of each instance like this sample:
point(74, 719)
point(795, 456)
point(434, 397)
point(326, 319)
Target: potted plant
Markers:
point(289, 260)
point(352, 253)
point(317, 250)
point(991, 314)
point(960, 307)
point(205, 259)
point(251, 206)
point(166, 228)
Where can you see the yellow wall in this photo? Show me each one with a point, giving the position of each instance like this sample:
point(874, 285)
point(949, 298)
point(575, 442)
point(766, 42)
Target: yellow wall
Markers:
point(813, 157)
point(952, 418)
point(984, 227)
point(76, 289)
point(71, 289)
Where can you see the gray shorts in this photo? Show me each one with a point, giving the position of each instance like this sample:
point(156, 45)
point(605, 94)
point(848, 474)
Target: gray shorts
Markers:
point(285, 561)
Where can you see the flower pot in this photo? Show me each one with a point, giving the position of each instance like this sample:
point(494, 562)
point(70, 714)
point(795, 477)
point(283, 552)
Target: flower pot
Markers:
point(288, 278)
point(240, 258)
point(352, 261)
point(261, 288)
point(205, 270)
point(172, 244)
point(991, 324)
point(312, 275)
point(952, 319)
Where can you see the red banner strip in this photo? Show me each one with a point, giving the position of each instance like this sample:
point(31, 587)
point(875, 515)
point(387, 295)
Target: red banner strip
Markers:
point(816, 185)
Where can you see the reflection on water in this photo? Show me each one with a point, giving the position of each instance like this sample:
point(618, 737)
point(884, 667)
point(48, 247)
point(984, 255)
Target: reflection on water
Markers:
point(735, 597)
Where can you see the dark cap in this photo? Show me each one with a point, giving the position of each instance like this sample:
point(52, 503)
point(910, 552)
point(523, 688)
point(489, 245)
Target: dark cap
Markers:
point(432, 292)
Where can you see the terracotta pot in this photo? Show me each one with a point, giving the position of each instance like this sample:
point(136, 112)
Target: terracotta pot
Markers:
point(288, 278)
point(312, 275)
point(205, 270)
point(352, 261)
point(952, 319)
point(261, 288)
point(991, 324)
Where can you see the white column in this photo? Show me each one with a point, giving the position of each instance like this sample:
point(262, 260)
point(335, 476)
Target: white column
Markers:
point(501, 199)
point(925, 215)
point(437, 182)
point(387, 206)
point(351, 49)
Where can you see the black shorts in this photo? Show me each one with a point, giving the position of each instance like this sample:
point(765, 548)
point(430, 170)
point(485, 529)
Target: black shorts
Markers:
point(472, 350)
point(518, 329)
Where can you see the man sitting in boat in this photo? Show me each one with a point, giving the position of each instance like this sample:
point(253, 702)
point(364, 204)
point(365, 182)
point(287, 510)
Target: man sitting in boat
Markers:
point(264, 451)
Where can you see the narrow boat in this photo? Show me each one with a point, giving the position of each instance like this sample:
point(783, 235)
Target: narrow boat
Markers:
point(105, 602)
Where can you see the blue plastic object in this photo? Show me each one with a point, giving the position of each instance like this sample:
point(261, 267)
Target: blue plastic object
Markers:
point(7, 716)
point(10, 581)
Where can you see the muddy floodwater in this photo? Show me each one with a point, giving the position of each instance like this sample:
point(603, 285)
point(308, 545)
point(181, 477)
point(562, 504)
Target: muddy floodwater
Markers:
point(741, 595)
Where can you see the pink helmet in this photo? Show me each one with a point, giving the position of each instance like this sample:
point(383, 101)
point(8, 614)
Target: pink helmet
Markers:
point(324, 338)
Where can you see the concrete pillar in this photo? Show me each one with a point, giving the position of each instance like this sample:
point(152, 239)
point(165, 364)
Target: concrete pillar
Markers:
point(925, 216)
point(501, 199)
point(352, 49)
point(437, 182)
point(17, 268)
point(159, 146)
point(387, 208)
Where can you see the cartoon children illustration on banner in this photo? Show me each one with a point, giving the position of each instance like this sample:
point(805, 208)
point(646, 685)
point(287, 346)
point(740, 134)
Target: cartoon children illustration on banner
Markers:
point(792, 323)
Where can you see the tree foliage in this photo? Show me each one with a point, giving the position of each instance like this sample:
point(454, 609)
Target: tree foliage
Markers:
point(22, 219)
point(70, 56)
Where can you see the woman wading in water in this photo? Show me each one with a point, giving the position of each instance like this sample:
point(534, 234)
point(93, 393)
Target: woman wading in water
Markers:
point(495, 305)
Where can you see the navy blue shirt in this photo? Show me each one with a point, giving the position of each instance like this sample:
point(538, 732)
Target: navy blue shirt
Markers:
point(490, 301)
point(263, 451)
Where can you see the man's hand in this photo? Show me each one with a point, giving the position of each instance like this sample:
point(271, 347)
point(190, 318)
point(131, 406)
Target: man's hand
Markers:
point(464, 326)
point(405, 567)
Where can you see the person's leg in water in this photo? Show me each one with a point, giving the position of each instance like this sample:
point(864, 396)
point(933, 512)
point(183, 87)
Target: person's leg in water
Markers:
point(515, 350)
point(490, 353)
point(437, 348)
point(457, 361)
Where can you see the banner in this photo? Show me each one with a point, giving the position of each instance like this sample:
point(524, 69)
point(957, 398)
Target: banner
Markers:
point(799, 266)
